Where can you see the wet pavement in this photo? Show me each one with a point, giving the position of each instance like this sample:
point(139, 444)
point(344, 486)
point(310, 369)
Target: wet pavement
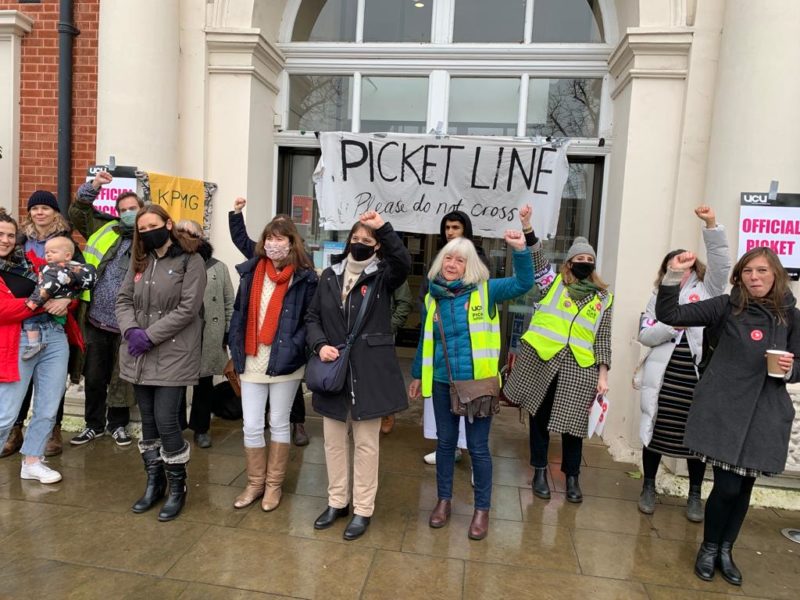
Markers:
point(78, 538)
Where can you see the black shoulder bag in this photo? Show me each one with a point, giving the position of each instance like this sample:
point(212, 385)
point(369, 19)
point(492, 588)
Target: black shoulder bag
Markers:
point(329, 377)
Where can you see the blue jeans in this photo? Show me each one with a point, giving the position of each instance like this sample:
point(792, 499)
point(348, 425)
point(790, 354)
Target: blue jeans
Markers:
point(48, 371)
point(477, 443)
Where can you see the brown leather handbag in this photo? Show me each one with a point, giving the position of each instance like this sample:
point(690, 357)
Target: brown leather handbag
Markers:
point(470, 398)
point(233, 377)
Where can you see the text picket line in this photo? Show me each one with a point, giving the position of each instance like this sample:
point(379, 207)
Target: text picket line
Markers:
point(413, 179)
point(772, 223)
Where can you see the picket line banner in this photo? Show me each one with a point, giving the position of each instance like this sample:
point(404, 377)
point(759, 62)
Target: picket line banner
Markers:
point(414, 180)
point(124, 180)
point(771, 223)
point(181, 197)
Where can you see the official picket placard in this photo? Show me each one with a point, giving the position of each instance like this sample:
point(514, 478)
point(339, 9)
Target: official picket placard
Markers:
point(124, 180)
point(182, 198)
point(414, 180)
point(771, 223)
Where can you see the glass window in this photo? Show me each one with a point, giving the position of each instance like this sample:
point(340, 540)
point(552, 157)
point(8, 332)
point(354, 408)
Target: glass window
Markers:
point(320, 102)
point(566, 21)
point(397, 20)
point(563, 107)
point(326, 21)
point(489, 21)
point(397, 104)
point(482, 106)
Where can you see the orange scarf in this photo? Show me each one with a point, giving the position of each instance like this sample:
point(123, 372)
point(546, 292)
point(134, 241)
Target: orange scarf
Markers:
point(253, 336)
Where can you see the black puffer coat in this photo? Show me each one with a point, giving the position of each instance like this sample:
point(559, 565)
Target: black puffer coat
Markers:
point(375, 385)
point(739, 414)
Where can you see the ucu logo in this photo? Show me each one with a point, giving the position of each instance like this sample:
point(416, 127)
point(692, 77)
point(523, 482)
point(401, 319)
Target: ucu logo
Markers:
point(755, 198)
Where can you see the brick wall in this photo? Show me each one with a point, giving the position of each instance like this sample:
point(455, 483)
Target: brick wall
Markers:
point(39, 95)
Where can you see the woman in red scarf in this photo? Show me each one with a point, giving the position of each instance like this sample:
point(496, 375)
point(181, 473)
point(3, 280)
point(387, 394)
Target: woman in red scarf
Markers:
point(267, 341)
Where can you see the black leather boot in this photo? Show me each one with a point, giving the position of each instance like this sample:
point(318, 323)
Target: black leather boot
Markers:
point(647, 499)
point(156, 481)
point(706, 559)
point(356, 527)
point(574, 493)
point(730, 572)
point(694, 505)
point(176, 475)
point(329, 516)
point(539, 484)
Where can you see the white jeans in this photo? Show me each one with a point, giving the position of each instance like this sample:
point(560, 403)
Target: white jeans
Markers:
point(254, 403)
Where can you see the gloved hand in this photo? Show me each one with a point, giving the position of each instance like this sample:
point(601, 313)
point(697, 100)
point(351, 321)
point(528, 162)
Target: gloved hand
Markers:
point(138, 342)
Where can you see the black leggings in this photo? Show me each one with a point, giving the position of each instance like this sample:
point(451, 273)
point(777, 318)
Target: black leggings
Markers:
point(727, 506)
point(159, 408)
point(651, 459)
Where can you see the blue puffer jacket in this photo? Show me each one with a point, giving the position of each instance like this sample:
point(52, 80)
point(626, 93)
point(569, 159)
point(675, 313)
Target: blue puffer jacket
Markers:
point(288, 352)
point(456, 327)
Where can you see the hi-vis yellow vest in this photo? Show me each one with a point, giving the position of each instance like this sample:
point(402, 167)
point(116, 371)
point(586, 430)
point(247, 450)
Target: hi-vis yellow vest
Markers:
point(557, 323)
point(484, 337)
point(96, 247)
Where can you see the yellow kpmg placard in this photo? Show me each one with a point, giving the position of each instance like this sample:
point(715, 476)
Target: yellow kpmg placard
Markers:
point(182, 198)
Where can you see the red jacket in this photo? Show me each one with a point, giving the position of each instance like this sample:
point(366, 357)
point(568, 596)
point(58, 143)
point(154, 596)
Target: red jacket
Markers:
point(12, 313)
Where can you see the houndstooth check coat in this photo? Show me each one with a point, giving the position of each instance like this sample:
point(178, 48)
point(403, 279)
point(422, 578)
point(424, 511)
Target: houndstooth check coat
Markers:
point(531, 376)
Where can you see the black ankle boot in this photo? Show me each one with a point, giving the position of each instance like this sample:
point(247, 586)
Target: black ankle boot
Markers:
point(647, 499)
point(356, 527)
point(539, 484)
point(574, 493)
point(329, 516)
point(176, 475)
point(730, 572)
point(706, 559)
point(156, 481)
point(694, 505)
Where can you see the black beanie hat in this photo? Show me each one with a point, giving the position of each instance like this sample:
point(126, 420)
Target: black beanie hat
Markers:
point(43, 197)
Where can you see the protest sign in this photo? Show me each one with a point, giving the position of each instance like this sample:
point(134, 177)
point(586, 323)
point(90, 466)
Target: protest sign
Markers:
point(414, 180)
point(124, 180)
point(182, 198)
point(771, 223)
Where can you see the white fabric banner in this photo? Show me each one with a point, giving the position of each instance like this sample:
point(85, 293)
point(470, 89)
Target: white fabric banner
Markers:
point(414, 180)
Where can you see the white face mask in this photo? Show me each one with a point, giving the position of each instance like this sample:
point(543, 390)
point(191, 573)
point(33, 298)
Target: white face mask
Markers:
point(277, 251)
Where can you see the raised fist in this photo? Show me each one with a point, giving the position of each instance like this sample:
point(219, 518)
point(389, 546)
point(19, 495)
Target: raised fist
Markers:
point(683, 261)
point(238, 205)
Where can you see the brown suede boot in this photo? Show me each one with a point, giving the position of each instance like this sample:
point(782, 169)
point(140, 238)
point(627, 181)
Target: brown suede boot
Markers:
point(55, 445)
point(256, 474)
point(276, 471)
point(13, 442)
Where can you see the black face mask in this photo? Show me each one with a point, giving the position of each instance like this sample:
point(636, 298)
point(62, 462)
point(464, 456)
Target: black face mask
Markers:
point(361, 251)
point(582, 270)
point(155, 238)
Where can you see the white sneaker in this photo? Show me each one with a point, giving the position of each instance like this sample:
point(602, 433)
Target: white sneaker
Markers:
point(39, 471)
point(430, 459)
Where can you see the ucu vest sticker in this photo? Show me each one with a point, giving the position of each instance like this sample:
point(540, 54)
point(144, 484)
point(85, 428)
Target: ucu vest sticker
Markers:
point(694, 298)
point(477, 312)
point(591, 312)
point(756, 335)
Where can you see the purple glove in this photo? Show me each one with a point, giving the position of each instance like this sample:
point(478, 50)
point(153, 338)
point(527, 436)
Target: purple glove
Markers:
point(138, 342)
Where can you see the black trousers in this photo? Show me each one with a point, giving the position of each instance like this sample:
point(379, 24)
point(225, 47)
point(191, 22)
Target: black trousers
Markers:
point(200, 418)
point(651, 459)
point(160, 407)
point(727, 506)
point(102, 349)
point(539, 438)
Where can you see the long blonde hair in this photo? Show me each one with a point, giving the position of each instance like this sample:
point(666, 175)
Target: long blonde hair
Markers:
point(474, 272)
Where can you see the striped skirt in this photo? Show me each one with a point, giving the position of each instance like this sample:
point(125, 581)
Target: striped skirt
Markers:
point(674, 402)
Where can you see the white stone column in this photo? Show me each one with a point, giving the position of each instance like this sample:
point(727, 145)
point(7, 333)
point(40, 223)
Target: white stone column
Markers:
point(13, 27)
point(138, 72)
point(756, 121)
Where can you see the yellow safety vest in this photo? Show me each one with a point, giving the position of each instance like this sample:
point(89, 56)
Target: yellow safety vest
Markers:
point(96, 247)
point(484, 337)
point(557, 323)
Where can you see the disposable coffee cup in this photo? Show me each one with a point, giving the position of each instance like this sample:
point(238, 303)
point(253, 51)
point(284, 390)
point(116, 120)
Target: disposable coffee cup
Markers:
point(773, 368)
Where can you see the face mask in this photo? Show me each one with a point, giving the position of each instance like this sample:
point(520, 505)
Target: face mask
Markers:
point(276, 251)
point(155, 238)
point(582, 270)
point(361, 251)
point(128, 218)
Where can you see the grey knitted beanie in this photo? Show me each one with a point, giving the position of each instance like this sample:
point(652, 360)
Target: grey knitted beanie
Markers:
point(580, 246)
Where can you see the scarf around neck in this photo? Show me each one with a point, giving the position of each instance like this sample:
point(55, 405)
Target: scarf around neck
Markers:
point(441, 288)
point(266, 334)
point(580, 289)
point(17, 262)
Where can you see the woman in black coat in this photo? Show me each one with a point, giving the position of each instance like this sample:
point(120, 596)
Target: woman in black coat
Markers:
point(741, 417)
point(374, 259)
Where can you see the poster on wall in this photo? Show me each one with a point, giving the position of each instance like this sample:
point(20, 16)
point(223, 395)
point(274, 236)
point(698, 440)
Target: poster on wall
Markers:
point(301, 209)
point(414, 180)
point(774, 224)
point(124, 180)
